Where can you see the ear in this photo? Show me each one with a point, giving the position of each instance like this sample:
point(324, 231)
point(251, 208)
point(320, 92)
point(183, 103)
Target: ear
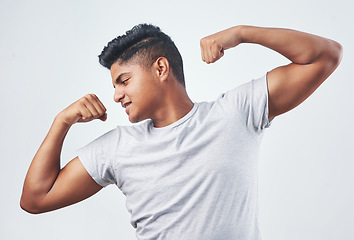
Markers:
point(162, 68)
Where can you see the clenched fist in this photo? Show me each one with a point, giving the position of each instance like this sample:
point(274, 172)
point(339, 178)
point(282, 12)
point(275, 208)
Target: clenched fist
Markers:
point(212, 47)
point(85, 109)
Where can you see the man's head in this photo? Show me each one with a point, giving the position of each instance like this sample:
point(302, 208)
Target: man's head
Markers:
point(143, 44)
point(147, 72)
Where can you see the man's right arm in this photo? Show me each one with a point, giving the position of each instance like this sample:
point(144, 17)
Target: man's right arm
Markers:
point(46, 186)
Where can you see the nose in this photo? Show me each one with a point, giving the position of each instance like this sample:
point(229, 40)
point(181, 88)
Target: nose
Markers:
point(118, 94)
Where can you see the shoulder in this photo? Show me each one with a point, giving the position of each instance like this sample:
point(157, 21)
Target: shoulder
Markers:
point(249, 88)
point(248, 102)
point(246, 95)
point(111, 138)
point(110, 142)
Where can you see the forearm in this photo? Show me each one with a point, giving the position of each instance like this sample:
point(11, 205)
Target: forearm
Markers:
point(298, 47)
point(45, 165)
point(313, 59)
point(48, 187)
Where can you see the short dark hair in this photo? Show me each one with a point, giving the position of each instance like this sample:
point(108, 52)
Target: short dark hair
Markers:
point(148, 43)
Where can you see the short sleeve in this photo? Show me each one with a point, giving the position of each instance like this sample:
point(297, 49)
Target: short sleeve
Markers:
point(251, 103)
point(97, 158)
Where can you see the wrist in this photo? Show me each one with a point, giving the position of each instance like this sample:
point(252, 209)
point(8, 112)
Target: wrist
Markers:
point(240, 31)
point(59, 120)
point(234, 36)
point(57, 131)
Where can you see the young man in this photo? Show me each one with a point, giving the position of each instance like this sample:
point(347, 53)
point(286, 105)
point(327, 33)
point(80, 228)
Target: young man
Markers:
point(190, 170)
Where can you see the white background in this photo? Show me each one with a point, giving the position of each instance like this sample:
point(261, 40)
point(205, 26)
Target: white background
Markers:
point(49, 59)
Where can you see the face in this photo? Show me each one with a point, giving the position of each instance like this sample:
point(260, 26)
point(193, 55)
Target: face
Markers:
point(137, 89)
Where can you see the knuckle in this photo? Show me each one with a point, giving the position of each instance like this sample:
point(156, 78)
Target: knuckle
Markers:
point(85, 97)
point(89, 96)
point(82, 101)
point(100, 111)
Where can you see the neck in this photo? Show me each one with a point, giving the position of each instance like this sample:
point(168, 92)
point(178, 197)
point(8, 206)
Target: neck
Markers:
point(176, 104)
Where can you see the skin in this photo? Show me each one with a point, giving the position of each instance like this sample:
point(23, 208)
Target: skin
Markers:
point(46, 187)
point(313, 59)
point(155, 94)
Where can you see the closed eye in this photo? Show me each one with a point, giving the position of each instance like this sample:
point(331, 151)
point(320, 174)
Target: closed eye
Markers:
point(125, 81)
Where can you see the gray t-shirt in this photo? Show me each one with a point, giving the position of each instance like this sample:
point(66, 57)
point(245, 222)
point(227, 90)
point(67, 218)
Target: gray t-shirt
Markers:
point(194, 179)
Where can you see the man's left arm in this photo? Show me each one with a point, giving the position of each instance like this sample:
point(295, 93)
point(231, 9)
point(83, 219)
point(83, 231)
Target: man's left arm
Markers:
point(313, 59)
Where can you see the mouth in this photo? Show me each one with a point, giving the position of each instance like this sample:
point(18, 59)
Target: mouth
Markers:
point(125, 105)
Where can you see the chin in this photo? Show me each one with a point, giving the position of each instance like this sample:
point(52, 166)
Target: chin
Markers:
point(133, 119)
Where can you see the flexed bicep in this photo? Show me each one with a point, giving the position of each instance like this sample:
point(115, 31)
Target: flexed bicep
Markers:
point(290, 85)
point(72, 185)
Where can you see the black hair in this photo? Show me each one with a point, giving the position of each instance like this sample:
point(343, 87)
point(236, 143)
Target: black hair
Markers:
point(146, 42)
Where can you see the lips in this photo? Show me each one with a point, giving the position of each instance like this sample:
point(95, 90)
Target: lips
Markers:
point(126, 104)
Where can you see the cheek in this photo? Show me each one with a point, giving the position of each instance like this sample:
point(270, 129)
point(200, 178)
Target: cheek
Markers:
point(146, 105)
point(145, 93)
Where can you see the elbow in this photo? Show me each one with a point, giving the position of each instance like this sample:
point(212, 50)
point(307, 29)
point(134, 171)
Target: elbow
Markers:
point(336, 55)
point(339, 53)
point(331, 58)
point(29, 206)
